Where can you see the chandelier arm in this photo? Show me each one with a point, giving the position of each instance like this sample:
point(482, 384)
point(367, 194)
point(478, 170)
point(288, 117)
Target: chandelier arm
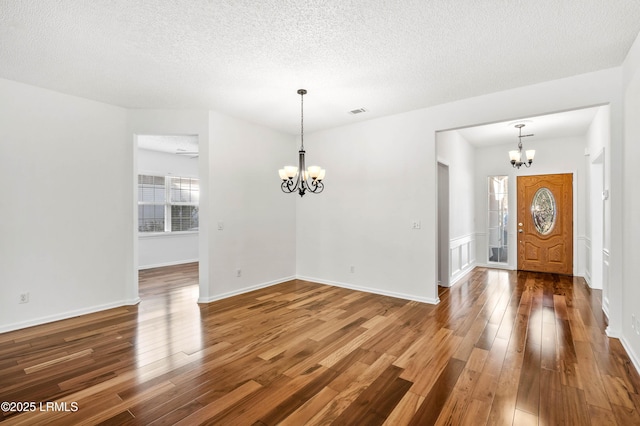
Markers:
point(288, 186)
point(316, 186)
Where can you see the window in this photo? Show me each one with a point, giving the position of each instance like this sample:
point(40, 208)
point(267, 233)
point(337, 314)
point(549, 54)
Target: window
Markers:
point(498, 219)
point(167, 203)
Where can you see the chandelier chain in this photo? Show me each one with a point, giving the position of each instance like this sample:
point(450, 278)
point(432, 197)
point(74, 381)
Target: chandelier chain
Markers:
point(302, 120)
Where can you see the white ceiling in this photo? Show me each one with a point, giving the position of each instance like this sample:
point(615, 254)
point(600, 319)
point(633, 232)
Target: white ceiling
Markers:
point(247, 58)
point(544, 127)
point(171, 144)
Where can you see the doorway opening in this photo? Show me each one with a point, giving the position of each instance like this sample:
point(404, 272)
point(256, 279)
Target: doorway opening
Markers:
point(168, 194)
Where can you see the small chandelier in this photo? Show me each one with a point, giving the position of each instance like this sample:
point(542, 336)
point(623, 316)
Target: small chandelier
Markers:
point(516, 156)
point(297, 178)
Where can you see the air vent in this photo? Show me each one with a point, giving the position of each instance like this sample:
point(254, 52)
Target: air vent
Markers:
point(357, 111)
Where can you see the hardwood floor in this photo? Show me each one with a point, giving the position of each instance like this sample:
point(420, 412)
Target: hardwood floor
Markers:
point(502, 347)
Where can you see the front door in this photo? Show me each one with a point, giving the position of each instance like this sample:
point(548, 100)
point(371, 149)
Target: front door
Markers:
point(545, 223)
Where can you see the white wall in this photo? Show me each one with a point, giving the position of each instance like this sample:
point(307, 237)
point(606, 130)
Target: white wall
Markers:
point(453, 150)
point(456, 152)
point(65, 230)
point(156, 250)
point(631, 227)
point(381, 177)
point(258, 219)
point(599, 143)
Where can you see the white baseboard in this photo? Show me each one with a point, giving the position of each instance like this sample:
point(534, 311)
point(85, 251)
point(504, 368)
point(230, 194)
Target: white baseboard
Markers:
point(504, 266)
point(173, 263)
point(244, 290)
point(319, 281)
point(67, 315)
point(610, 332)
point(372, 290)
point(632, 355)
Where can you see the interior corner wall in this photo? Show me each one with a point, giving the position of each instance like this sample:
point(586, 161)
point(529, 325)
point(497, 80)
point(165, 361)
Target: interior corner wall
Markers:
point(381, 178)
point(252, 222)
point(66, 225)
point(631, 286)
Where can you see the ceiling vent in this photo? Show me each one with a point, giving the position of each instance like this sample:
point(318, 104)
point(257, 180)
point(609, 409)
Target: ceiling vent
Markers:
point(357, 111)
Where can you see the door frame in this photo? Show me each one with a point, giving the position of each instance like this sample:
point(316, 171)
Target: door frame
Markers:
point(596, 209)
point(444, 271)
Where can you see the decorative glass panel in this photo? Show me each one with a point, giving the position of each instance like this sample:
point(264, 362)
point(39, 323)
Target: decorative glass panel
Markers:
point(498, 214)
point(543, 210)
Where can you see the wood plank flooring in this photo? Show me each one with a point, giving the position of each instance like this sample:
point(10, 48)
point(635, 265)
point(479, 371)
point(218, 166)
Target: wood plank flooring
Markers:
point(502, 347)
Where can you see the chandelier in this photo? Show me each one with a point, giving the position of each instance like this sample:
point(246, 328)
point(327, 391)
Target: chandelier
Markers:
point(297, 178)
point(516, 156)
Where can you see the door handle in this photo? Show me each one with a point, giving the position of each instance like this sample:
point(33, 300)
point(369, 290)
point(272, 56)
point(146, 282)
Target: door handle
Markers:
point(520, 231)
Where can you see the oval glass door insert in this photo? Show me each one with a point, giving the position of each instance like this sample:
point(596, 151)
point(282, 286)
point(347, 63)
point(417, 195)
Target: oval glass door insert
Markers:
point(543, 211)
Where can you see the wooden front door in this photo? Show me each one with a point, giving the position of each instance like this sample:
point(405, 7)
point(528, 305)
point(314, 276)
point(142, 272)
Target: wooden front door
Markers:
point(545, 223)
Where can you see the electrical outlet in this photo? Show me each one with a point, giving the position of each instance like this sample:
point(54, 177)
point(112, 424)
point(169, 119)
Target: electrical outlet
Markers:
point(238, 273)
point(352, 269)
point(24, 298)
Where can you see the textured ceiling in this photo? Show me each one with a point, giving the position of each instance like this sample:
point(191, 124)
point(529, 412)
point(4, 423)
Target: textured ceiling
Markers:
point(247, 58)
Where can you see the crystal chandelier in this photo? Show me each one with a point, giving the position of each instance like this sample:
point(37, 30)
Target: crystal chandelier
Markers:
point(516, 156)
point(297, 178)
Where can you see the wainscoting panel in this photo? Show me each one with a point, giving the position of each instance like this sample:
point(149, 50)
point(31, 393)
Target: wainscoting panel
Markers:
point(462, 256)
